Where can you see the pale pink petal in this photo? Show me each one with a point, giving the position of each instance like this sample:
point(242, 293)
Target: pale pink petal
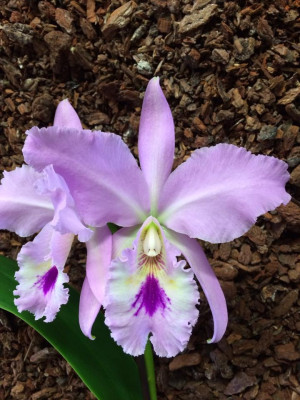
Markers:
point(197, 260)
point(219, 192)
point(66, 219)
point(101, 173)
point(123, 239)
point(66, 116)
point(41, 278)
point(151, 295)
point(22, 209)
point(89, 308)
point(98, 260)
point(156, 143)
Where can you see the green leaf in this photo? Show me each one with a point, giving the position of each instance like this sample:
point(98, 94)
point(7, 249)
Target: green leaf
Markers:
point(101, 364)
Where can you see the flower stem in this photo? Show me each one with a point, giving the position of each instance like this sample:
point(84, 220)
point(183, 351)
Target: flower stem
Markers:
point(150, 371)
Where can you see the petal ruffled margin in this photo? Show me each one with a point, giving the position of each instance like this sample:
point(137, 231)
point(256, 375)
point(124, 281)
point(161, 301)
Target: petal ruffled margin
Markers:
point(218, 193)
point(198, 262)
point(41, 278)
point(123, 239)
point(156, 142)
point(98, 169)
point(22, 209)
point(151, 295)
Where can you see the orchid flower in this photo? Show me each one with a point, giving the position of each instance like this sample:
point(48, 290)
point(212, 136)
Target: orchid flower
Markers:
point(216, 195)
point(32, 201)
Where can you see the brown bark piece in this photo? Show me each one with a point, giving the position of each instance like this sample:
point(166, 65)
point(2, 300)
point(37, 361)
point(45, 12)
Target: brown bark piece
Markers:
point(257, 235)
point(287, 352)
point(199, 18)
point(286, 303)
point(59, 44)
point(291, 213)
point(220, 56)
point(90, 11)
point(64, 19)
point(184, 360)
point(88, 29)
point(43, 108)
point(119, 19)
point(224, 271)
point(239, 383)
point(290, 96)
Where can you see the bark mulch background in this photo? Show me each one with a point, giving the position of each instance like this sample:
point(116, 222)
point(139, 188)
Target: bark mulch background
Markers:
point(230, 71)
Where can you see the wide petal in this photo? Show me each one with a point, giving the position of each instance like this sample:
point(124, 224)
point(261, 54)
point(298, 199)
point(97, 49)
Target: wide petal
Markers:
point(156, 143)
point(22, 209)
point(98, 261)
point(89, 308)
point(41, 278)
point(66, 219)
point(66, 116)
point(101, 173)
point(219, 192)
point(197, 260)
point(151, 295)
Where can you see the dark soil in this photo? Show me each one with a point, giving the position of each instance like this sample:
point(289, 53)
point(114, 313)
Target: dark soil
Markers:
point(230, 71)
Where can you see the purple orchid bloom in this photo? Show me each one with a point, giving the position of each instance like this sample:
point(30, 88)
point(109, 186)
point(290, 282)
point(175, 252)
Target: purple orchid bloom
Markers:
point(31, 201)
point(216, 195)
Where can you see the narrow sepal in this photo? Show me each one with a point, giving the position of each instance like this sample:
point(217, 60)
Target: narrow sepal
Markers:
point(89, 308)
point(156, 143)
point(66, 116)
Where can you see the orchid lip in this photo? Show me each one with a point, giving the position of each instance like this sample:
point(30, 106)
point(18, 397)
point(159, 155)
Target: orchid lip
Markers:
point(149, 293)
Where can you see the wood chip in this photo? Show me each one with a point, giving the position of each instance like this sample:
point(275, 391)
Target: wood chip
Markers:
point(119, 19)
point(199, 18)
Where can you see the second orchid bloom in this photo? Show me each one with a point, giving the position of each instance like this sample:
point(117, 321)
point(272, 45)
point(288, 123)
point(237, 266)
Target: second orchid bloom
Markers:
point(77, 181)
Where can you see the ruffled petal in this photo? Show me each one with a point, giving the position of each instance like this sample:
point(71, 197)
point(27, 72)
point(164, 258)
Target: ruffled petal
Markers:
point(123, 239)
point(101, 173)
point(89, 308)
point(156, 143)
point(151, 295)
point(66, 219)
point(219, 192)
point(22, 209)
point(66, 116)
point(197, 260)
point(98, 260)
point(41, 278)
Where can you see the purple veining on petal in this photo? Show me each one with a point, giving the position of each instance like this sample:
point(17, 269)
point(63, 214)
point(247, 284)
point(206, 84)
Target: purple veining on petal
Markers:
point(151, 296)
point(151, 262)
point(48, 280)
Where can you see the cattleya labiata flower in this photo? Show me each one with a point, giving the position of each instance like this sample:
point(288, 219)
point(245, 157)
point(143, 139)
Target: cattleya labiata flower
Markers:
point(31, 201)
point(216, 195)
